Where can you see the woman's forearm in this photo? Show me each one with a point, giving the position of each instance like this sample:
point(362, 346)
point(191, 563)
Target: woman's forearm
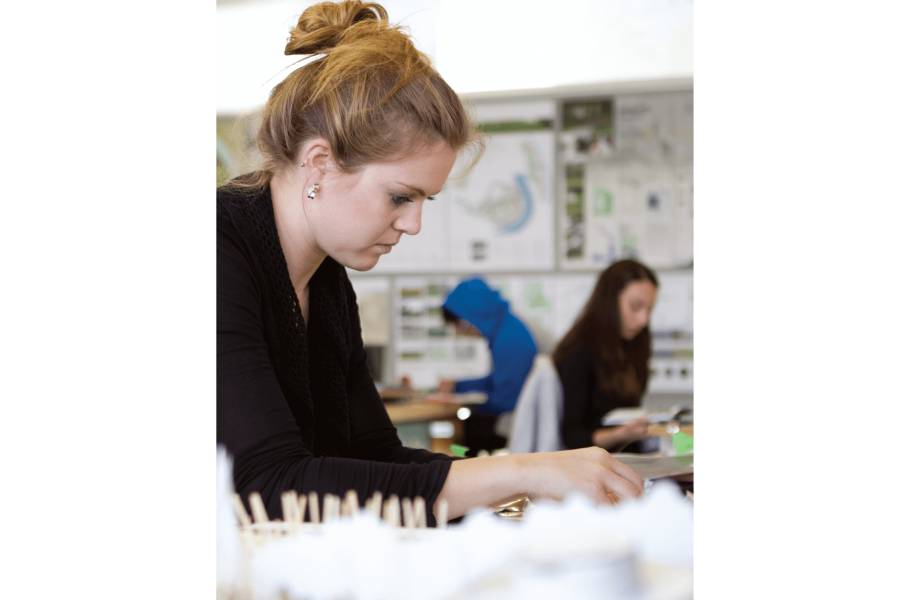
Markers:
point(493, 480)
point(481, 482)
point(609, 438)
point(616, 438)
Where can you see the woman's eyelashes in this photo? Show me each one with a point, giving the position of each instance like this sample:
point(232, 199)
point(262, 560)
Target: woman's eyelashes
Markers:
point(401, 199)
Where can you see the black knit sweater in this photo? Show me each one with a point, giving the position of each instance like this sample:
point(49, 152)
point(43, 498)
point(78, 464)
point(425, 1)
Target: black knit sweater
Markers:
point(584, 403)
point(296, 406)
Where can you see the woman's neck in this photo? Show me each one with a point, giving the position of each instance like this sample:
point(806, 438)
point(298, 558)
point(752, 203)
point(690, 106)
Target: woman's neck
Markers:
point(302, 254)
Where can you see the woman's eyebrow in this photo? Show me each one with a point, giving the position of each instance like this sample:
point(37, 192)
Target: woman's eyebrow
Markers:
point(417, 190)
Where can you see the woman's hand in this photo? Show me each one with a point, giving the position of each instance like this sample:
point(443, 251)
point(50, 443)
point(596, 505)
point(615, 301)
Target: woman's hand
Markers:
point(590, 471)
point(633, 430)
point(493, 480)
point(616, 438)
point(446, 385)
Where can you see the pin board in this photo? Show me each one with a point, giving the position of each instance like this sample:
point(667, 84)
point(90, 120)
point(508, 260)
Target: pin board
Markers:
point(627, 190)
point(567, 185)
point(497, 216)
point(425, 349)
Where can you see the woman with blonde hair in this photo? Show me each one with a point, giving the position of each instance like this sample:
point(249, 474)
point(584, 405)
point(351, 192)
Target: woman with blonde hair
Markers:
point(354, 143)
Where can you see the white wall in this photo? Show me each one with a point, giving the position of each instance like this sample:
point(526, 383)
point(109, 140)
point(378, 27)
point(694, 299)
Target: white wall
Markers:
point(251, 36)
point(478, 45)
point(520, 44)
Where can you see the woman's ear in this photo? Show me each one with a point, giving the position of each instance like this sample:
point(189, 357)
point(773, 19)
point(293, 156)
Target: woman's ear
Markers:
point(316, 157)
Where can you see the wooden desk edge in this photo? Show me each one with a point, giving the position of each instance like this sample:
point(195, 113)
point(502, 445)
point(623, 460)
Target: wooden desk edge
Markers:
point(421, 411)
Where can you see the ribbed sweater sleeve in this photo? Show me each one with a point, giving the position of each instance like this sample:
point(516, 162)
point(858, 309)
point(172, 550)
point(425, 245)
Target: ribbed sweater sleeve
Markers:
point(256, 426)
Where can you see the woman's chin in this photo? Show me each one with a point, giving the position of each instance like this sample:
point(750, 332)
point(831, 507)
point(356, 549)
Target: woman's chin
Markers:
point(360, 263)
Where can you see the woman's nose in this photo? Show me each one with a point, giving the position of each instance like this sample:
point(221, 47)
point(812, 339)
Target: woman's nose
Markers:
point(410, 222)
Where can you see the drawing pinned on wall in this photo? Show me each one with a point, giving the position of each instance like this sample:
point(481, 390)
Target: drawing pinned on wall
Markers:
point(425, 348)
point(602, 202)
point(427, 251)
point(587, 127)
point(672, 326)
point(636, 202)
point(373, 297)
point(536, 298)
point(574, 235)
point(506, 205)
point(225, 167)
point(236, 151)
point(479, 250)
point(603, 241)
point(629, 239)
point(501, 214)
point(536, 168)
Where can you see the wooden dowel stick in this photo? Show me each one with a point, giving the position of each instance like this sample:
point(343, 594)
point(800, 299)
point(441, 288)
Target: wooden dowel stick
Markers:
point(258, 509)
point(395, 512)
point(376, 504)
point(441, 516)
point(352, 502)
point(407, 513)
point(288, 506)
point(335, 506)
point(242, 515)
point(314, 508)
point(419, 513)
point(392, 511)
point(328, 508)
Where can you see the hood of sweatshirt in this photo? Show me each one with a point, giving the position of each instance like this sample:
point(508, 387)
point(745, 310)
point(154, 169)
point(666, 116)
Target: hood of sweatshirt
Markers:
point(480, 305)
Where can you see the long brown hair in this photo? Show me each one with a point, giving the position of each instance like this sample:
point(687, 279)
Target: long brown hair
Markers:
point(622, 366)
point(373, 96)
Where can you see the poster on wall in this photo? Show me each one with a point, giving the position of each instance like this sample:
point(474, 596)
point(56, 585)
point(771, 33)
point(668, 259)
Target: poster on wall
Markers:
point(425, 348)
point(672, 324)
point(498, 217)
point(427, 251)
point(224, 162)
point(501, 213)
point(236, 151)
point(628, 194)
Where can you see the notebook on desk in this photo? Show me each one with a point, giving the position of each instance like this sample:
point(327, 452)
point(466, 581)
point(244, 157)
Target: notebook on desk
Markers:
point(656, 467)
point(620, 416)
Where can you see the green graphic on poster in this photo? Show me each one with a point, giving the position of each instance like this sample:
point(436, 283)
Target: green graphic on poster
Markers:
point(602, 202)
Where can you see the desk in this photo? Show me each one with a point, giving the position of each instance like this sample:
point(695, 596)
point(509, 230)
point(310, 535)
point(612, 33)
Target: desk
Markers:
point(407, 411)
point(661, 429)
point(411, 412)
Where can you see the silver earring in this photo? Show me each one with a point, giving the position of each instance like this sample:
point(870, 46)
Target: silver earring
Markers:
point(311, 191)
point(303, 164)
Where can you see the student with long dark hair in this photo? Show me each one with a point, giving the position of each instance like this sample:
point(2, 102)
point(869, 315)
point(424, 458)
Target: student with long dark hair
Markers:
point(603, 361)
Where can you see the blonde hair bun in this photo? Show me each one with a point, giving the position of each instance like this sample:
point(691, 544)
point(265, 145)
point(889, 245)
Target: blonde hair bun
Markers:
point(323, 26)
point(372, 97)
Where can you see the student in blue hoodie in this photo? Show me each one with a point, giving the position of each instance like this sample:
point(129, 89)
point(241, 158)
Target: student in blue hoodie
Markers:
point(477, 310)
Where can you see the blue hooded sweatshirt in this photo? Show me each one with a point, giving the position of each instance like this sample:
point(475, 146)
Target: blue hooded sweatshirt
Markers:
point(512, 347)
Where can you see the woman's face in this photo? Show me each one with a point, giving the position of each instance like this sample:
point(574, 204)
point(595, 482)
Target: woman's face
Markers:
point(356, 218)
point(636, 302)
